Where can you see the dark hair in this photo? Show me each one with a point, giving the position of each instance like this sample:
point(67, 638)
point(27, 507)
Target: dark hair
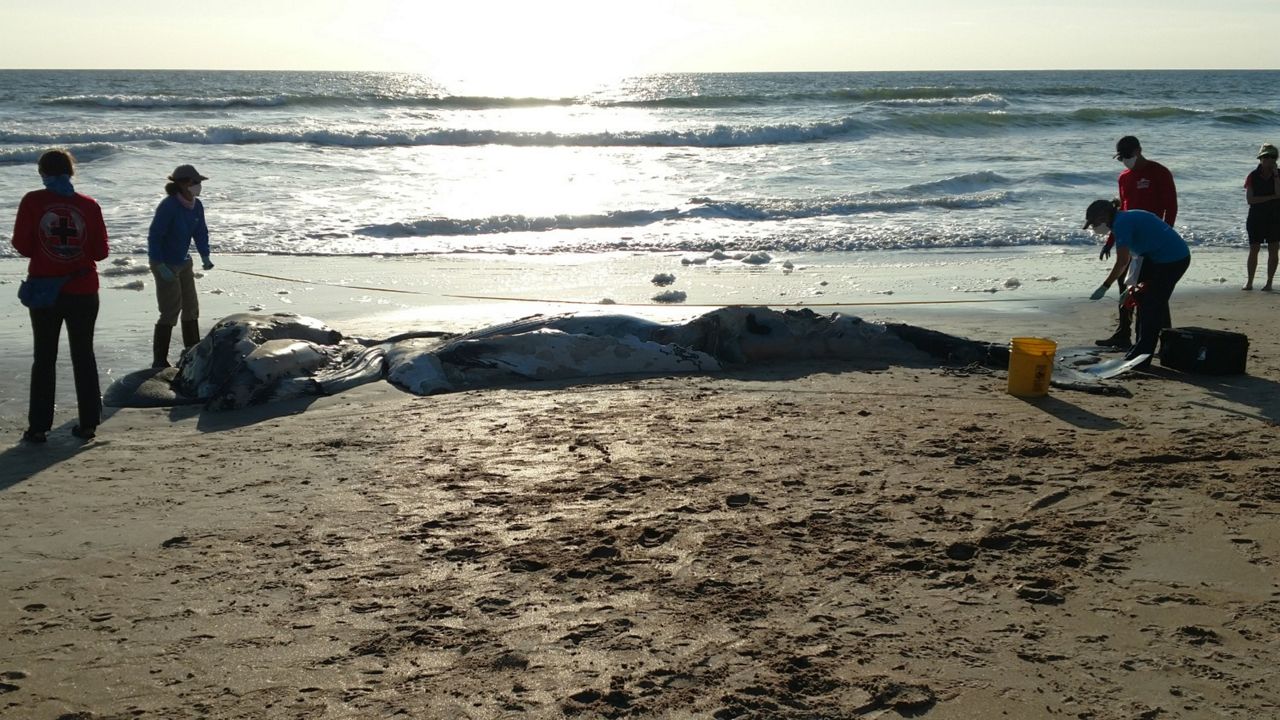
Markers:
point(1100, 211)
point(57, 162)
point(172, 188)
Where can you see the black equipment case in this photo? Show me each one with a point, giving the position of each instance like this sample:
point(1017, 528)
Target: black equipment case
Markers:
point(1209, 352)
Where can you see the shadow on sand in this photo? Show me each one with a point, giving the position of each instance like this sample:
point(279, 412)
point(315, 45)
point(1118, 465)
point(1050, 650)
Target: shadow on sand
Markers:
point(26, 460)
point(1073, 414)
point(1250, 391)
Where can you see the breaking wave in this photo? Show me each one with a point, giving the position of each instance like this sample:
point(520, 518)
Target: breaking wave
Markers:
point(697, 208)
point(82, 153)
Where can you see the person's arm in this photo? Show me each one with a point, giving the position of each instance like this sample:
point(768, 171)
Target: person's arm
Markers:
point(201, 232)
point(24, 226)
point(156, 233)
point(1117, 270)
point(97, 248)
point(1169, 198)
point(1253, 198)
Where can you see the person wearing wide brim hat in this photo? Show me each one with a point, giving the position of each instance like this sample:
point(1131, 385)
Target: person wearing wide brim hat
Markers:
point(179, 219)
point(1164, 259)
point(1262, 192)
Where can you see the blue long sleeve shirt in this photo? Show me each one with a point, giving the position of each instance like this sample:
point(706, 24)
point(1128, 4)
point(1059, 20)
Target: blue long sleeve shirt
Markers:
point(172, 230)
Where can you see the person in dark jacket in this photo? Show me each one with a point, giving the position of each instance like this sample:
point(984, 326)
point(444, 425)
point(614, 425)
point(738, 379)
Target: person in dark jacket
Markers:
point(179, 219)
point(1262, 193)
point(63, 234)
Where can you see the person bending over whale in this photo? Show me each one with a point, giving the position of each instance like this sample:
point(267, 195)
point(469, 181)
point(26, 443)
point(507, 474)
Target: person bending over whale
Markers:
point(1165, 258)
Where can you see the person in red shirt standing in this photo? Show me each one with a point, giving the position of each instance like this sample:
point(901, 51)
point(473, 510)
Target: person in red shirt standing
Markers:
point(63, 234)
point(1144, 185)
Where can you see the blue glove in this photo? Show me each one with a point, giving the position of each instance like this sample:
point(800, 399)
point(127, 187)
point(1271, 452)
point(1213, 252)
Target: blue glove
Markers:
point(1100, 293)
point(206, 262)
point(164, 272)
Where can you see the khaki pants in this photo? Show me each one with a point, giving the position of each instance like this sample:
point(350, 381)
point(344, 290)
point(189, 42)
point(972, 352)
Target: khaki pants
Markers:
point(178, 296)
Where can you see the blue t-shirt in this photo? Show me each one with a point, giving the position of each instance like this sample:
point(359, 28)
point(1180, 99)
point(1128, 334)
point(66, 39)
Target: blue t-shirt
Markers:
point(1146, 235)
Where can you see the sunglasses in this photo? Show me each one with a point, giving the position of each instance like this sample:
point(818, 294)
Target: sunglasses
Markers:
point(1126, 156)
point(1267, 157)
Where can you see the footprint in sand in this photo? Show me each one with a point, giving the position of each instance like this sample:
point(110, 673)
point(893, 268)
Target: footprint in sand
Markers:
point(603, 552)
point(653, 537)
point(961, 551)
point(8, 687)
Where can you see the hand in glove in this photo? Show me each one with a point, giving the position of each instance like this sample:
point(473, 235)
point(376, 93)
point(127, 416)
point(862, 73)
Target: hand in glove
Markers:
point(206, 262)
point(1100, 293)
point(1105, 253)
point(164, 272)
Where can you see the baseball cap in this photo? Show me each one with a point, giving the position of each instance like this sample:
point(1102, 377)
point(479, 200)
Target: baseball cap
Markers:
point(1096, 210)
point(1127, 146)
point(186, 172)
point(1268, 150)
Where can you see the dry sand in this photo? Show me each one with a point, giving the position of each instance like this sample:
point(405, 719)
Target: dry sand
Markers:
point(802, 541)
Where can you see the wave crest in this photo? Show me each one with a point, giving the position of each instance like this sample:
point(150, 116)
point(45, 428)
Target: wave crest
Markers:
point(697, 208)
point(83, 153)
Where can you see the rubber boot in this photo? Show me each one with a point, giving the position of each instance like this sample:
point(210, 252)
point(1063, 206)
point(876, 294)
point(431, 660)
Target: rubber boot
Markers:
point(1119, 340)
point(160, 346)
point(190, 333)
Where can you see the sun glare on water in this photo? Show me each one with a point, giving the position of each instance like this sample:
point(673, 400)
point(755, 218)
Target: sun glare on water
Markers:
point(556, 48)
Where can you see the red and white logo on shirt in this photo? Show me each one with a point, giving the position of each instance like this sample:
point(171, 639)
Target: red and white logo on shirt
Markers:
point(62, 232)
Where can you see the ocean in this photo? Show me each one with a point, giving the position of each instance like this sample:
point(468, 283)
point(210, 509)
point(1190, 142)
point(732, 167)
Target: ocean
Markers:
point(389, 164)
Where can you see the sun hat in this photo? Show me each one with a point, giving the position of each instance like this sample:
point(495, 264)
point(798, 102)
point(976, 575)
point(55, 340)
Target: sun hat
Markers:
point(1126, 146)
point(1268, 150)
point(1096, 210)
point(186, 172)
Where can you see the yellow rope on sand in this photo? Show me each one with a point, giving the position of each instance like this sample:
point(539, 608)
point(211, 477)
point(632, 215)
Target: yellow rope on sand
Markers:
point(649, 304)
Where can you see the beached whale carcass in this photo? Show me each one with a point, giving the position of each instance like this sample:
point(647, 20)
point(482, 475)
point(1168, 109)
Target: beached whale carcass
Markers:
point(249, 359)
point(253, 359)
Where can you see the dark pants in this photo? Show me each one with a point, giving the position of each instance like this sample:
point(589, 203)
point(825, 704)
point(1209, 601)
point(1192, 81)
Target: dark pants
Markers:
point(1153, 302)
point(80, 313)
point(1125, 313)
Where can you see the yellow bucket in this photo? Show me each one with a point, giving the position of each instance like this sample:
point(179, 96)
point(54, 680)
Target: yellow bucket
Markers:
point(1030, 366)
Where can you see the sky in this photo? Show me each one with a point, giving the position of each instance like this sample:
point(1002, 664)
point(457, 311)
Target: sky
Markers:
point(519, 41)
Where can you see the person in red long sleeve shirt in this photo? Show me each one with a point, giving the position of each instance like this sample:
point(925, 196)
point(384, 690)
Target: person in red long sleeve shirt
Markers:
point(63, 234)
point(1144, 185)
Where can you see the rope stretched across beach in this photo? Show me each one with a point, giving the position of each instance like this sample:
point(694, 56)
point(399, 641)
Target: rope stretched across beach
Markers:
point(547, 301)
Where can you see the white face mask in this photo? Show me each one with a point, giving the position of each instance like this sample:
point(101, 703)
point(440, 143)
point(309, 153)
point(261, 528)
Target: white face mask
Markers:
point(1102, 229)
point(1129, 162)
point(194, 189)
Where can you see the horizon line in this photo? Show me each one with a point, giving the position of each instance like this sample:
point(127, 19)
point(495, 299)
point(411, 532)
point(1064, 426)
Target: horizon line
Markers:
point(653, 72)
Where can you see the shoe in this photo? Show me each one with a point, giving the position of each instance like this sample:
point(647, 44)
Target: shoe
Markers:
point(33, 437)
point(83, 434)
point(1115, 341)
